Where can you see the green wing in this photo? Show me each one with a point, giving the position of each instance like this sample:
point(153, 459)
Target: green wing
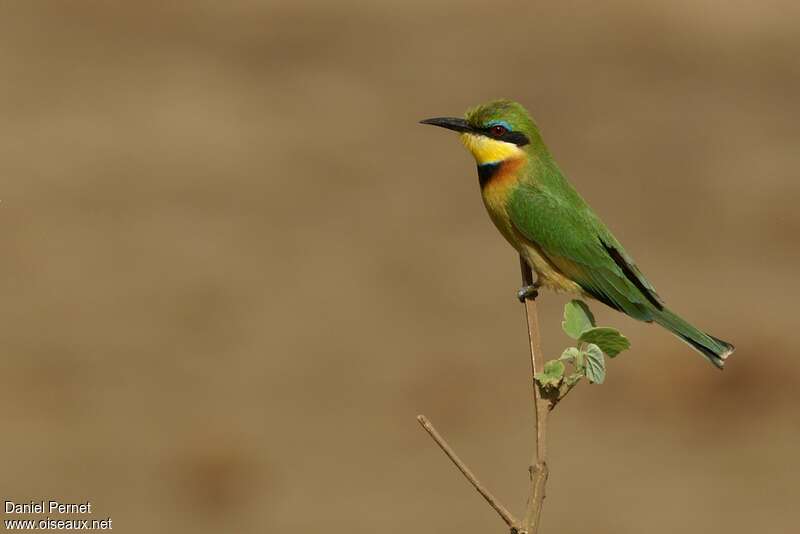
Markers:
point(579, 245)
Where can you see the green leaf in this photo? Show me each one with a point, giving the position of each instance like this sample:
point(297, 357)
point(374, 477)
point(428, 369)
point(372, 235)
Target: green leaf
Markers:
point(608, 339)
point(571, 354)
point(551, 374)
point(580, 360)
point(577, 318)
point(595, 364)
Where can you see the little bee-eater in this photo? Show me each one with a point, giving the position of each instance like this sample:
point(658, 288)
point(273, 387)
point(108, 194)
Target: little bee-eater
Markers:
point(553, 228)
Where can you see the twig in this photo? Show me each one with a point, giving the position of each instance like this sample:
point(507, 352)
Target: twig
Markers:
point(538, 469)
point(485, 493)
point(544, 400)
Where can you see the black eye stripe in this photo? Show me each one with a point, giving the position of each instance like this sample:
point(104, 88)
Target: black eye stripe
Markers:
point(518, 138)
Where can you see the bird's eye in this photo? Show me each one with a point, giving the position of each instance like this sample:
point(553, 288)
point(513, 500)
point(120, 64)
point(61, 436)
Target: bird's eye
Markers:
point(498, 130)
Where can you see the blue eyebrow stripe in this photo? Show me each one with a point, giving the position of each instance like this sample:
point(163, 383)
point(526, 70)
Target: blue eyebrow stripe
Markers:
point(504, 124)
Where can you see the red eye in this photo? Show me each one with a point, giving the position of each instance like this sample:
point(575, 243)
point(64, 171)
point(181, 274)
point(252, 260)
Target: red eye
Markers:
point(498, 130)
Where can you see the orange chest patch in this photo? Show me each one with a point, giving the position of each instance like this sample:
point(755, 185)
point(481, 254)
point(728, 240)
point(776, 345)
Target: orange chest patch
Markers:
point(498, 177)
point(497, 183)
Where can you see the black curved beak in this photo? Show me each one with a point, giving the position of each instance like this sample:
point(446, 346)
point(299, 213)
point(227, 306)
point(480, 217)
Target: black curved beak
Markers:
point(451, 123)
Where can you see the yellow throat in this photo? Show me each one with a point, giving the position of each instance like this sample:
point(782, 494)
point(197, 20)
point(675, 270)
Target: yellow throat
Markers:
point(487, 150)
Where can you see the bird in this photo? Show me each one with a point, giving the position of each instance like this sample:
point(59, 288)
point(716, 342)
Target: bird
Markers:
point(552, 227)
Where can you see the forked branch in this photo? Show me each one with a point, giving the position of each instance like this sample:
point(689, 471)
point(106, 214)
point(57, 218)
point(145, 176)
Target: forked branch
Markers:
point(544, 400)
point(501, 510)
point(551, 382)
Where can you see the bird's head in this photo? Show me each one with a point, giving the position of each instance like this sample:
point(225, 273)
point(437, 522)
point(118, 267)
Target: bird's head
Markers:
point(494, 132)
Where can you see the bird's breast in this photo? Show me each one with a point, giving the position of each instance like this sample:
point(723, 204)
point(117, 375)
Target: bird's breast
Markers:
point(497, 181)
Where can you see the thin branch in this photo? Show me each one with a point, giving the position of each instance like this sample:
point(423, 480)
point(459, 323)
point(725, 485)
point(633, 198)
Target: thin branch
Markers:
point(485, 493)
point(538, 469)
point(544, 399)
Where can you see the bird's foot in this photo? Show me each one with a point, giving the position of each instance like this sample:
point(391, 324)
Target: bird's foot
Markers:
point(528, 292)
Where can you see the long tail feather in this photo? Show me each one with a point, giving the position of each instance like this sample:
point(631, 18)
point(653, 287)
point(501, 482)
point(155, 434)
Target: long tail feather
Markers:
point(713, 349)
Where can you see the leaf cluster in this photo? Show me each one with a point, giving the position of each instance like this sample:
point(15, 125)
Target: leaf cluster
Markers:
point(587, 358)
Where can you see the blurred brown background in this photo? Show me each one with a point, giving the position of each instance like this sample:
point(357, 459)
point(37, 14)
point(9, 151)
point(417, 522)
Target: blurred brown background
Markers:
point(234, 267)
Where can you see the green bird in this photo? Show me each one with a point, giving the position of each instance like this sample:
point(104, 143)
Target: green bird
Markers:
point(553, 228)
